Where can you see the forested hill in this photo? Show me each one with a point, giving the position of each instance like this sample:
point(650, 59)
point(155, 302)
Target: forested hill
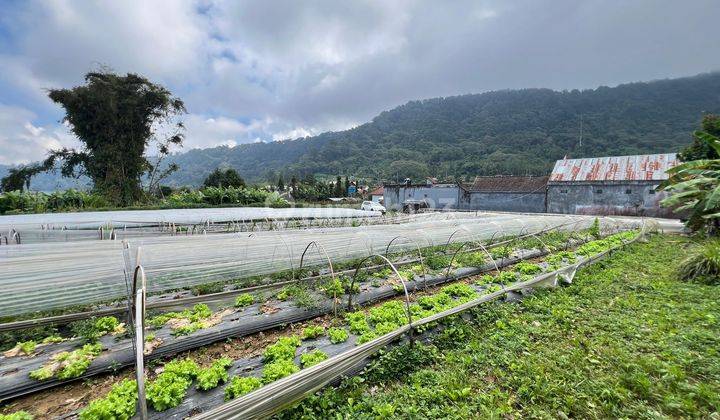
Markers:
point(504, 132)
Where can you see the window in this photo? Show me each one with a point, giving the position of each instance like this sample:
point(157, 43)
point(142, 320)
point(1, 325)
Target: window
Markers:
point(628, 191)
point(598, 191)
point(563, 191)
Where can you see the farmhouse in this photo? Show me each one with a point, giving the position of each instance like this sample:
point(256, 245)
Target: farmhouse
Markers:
point(617, 185)
point(504, 193)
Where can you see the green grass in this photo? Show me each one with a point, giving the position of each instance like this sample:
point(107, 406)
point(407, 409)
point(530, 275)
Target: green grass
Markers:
point(626, 339)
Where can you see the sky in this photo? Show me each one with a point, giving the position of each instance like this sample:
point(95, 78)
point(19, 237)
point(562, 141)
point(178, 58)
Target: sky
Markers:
point(252, 71)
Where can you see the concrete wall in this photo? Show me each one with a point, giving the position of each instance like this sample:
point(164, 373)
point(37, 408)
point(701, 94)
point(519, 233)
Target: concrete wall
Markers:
point(503, 201)
point(437, 197)
point(632, 198)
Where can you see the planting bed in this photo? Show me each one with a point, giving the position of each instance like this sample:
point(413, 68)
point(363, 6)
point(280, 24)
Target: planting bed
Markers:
point(248, 321)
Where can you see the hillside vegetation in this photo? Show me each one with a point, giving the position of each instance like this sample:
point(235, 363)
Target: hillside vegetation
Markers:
point(504, 132)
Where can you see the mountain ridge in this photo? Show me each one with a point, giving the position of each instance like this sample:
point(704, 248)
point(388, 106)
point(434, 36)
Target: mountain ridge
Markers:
point(518, 132)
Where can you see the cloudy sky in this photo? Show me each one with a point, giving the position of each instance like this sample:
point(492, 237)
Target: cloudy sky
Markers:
point(267, 70)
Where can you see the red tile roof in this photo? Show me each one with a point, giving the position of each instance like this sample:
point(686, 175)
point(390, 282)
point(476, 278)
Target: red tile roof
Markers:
point(378, 191)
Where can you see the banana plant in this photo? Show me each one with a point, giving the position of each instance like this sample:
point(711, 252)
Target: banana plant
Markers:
point(694, 187)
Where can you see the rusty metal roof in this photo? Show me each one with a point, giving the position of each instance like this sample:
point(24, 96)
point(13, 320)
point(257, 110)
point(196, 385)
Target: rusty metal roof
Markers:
point(614, 168)
point(522, 184)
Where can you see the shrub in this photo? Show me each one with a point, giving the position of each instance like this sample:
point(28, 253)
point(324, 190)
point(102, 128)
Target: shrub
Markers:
point(437, 262)
point(67, 365)
point(241, 385)
point(283, 349)
point(278, 369)
point(313, 331)
point(26, 347)
point(120, 403)
point(459, 290)
point(506, 277)
point(169, 388)
point(333, 288)
point(243, 300)
point(703, 265)
point(501, 252)
point(472, 259)
point(357, 322)
point(525, 267)
point(338, 335)
point(75, 363)
point(312, 358)
point(214, 375)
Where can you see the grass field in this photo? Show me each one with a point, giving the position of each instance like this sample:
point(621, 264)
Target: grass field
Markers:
point(626, 339)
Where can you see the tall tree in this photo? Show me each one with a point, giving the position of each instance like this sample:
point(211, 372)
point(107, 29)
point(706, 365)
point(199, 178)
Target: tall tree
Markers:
point(116, 118)
point(281, 183)
point(224, 178)
point(338, 187)
point(19, 178)
point(700, 149)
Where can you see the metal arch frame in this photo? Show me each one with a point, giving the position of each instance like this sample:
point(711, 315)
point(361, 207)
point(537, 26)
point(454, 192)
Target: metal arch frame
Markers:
point(392, 266)
point(422, 262)
point(464, 228)
point(447, 270)
point(290, 254)
point(16, 237)
point(139, 309)
point(502, 230)
point(319, 247)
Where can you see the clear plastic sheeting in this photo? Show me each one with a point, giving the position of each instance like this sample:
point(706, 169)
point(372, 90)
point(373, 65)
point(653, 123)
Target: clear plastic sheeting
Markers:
point(51, 276)
point(68, 227)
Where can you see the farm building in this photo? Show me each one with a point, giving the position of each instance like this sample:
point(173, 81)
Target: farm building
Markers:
point(618, 185)
point(505, 193)
point(376, 195)
point(498, 193)
point(435, 196)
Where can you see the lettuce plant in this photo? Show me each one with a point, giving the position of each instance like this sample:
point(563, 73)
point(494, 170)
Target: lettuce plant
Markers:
point(312, 358)
point(241, 385)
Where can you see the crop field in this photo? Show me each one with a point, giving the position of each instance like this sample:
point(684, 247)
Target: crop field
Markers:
point(220, 345)
point(626, 340)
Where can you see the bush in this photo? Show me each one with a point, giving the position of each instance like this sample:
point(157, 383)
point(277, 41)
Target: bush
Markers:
point(437, 262)
point(243, 300)
point(703, 266)
point(501, 252)
point(338, 335)
point(313, 331)
point(169, 388)
point(214, 375)
point(312, 358)
point(241, 385)
point(278, 369)
point(283, 349)
point(120, 403)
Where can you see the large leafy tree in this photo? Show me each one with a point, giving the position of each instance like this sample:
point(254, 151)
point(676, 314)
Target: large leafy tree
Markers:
point(694, 187)
point(19, 178)
point(116, 118)
point(224, 178)
point(700, 149)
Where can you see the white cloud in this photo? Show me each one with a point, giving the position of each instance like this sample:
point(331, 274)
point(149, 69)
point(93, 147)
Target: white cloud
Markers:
point(258, 71)
point(22, 142)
